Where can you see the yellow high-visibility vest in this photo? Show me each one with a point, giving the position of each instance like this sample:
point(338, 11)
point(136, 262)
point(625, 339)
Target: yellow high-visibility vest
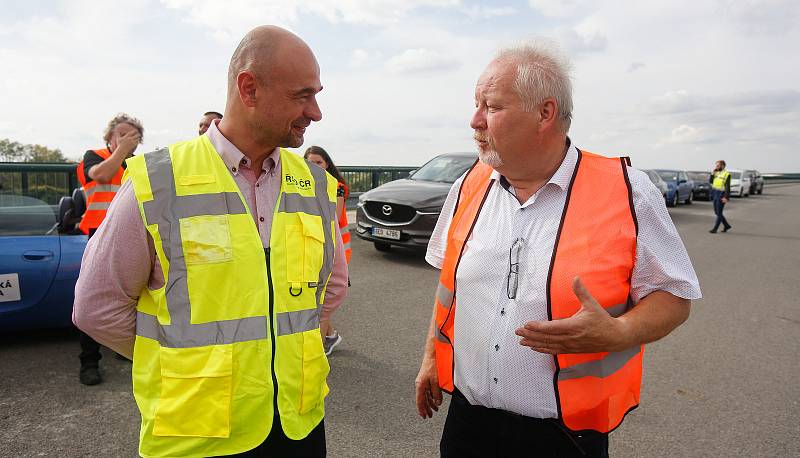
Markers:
point(233, 317)
point(719, 180)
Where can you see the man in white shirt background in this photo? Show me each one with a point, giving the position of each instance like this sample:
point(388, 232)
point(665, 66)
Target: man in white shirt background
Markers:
point(557, 266)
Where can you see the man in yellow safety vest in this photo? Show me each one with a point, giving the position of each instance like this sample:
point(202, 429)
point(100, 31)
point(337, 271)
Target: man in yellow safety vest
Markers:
point(214, 264)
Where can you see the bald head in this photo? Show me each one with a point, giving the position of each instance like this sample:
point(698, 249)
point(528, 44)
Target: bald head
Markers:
point(261, 50)
point(273, 80)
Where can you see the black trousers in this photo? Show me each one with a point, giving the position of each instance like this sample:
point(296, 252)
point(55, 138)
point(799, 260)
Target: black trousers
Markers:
point(477, 431)
point(90, 349)
point(278, 445)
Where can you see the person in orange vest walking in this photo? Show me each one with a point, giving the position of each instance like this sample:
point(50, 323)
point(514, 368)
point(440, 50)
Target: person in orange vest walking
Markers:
point(557, 266)
point(100, 174)
point(317, 155)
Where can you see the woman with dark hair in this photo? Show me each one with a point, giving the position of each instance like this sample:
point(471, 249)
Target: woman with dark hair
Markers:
point(320, 157)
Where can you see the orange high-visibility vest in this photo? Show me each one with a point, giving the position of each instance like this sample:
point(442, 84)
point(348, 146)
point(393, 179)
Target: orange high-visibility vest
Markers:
point(597, 241)
point(343, 225)
point(98, 195)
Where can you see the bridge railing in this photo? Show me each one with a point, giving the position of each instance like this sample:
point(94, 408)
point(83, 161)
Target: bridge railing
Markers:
point(49, 182)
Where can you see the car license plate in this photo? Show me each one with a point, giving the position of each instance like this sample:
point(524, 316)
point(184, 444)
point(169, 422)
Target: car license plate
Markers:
point(9, 288)
point(386, 233)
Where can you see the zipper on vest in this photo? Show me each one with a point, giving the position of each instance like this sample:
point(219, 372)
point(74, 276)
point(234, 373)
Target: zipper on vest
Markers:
point(272, 331)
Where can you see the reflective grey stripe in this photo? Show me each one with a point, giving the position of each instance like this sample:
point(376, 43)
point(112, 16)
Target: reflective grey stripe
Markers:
point(346, 246)
point(200, 335)
point(98, 205)
point(617, 310)
point(165, 210)
point(295, 203)
point(444, 295)
point(328, 210)
point(440, 337)
point(101, 188)
point(299, 321)
point(601, 368)
point(223, 203)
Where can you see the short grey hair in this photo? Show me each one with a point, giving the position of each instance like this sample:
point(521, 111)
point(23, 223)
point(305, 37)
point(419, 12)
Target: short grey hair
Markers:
point(542, 72)
point(123, 118)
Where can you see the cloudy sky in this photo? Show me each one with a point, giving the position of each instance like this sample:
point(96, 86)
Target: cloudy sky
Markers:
point(672, 83)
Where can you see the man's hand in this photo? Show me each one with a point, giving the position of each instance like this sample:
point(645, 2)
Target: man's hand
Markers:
point(724, 200)
point(127, 142)
point(590, 330)
point(429, 396)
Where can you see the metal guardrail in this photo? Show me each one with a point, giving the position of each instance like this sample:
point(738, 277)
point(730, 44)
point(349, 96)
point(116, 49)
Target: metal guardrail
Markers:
point(49, 182)
point(46, 182)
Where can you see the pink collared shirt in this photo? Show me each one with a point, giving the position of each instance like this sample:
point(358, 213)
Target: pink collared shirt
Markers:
point(120, 259)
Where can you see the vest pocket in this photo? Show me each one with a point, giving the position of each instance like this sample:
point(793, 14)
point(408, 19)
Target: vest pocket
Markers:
point(196, 385)
point(314, 385)
point(305, 244)
point(206, 239)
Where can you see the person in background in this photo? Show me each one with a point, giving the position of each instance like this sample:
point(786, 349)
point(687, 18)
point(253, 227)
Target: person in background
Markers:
point(720, 193)
point(317, 155)
point(206, 120)
point(100, 174)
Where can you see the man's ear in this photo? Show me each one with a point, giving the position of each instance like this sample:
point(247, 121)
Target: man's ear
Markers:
point(548, 113)
point(247, 84)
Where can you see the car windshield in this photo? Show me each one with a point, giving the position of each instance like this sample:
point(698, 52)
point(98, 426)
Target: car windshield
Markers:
point(699, 176)
point(22, 215)
point(444, 169)
point(653, 176)
point(736, 175)
point(667, 175)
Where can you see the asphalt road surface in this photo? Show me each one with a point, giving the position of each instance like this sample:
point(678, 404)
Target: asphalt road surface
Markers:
point(723, 384)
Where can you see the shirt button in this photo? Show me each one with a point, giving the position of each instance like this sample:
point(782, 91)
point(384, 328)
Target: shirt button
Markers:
point(233, 169)
point(497, 348)
point(502, 312)
point(495, 380)
point(257, 185)
point(261, 218)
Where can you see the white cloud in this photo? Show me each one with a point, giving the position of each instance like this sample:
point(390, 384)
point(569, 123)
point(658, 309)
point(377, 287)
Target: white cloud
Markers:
point(421, 61)
point(487, 12)
point(229, 18)
point(557, 8)
point(635, 66)
point(684, 134)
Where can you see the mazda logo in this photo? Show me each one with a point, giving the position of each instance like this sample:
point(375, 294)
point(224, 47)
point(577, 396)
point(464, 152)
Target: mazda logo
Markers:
point(387, 210)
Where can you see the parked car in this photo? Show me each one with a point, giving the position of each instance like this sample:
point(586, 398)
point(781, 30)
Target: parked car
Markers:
point(756, 181)
point(404, 212)
point(660, 184)
point(679, 184)
point(702, 185)
point(40, 257)
point(740, 183)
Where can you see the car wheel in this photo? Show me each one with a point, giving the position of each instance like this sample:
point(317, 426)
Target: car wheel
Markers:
point(381, 246)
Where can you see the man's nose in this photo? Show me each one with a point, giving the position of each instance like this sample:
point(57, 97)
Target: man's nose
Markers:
point(478, 121)
point(313, 112)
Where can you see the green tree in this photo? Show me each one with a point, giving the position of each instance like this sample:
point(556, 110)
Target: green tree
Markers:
point(12, 151)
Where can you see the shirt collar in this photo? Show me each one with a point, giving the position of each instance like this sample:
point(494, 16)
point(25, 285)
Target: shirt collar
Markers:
point(563, 174)
point(232, 156)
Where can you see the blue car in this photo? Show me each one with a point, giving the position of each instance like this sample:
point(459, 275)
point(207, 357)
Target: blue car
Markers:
point(40, 257)
point(679, 186)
